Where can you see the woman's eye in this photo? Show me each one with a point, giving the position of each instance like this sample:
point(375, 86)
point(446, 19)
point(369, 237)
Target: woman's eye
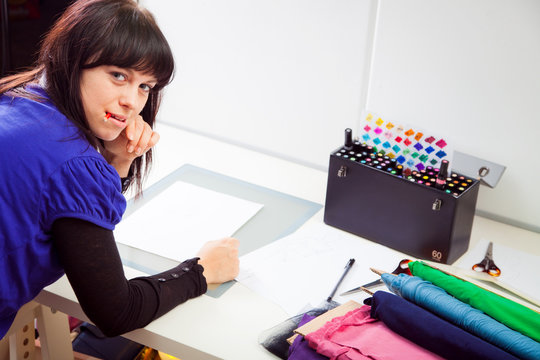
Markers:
point(119, 76)
point(146, 87)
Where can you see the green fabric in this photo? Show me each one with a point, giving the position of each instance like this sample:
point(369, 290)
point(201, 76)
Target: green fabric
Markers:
point(514, 315)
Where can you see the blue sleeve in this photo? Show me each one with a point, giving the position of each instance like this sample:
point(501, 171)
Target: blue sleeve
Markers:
point(85, 188)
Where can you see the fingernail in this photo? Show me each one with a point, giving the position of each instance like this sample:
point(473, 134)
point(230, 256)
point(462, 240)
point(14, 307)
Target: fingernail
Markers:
point(130, 149)
point(138, 151)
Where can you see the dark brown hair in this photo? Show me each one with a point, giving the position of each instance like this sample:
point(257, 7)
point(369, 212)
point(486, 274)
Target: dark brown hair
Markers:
point(91, 33)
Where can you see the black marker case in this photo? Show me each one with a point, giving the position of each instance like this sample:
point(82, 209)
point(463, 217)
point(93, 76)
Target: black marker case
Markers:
point(424, 222)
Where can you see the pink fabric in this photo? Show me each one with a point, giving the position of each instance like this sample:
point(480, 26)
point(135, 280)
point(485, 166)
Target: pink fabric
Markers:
point(356, 336)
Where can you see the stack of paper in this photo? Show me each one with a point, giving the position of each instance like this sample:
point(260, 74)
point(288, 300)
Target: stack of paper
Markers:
point(178, 221)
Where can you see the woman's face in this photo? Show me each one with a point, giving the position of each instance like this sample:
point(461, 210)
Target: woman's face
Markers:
point(120, 92)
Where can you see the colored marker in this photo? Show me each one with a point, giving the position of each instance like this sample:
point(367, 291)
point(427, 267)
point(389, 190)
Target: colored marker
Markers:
point(348, 139)
point(441, 176)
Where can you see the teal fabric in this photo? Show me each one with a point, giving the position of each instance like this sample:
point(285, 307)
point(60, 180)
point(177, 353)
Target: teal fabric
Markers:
point(508, 312)
point(439, 302)
point(430, 331)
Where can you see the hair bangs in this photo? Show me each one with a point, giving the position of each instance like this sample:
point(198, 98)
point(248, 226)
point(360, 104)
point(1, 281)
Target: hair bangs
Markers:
point(134, 41)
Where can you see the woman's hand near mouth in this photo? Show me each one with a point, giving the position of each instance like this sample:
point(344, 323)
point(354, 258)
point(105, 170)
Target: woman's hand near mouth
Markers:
point(135, 140)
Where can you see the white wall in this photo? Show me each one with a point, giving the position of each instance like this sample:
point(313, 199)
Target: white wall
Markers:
point(470, 70)
point(287, 76)
point(283, 76)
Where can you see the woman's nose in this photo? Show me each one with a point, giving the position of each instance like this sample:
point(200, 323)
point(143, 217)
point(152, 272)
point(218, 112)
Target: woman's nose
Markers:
point(128, 97)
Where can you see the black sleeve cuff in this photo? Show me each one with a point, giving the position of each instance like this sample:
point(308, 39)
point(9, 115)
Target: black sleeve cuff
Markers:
point(189, 267)
point(178, 285)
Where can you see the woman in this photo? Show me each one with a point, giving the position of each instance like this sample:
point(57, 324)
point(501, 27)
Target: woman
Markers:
point(73, 132)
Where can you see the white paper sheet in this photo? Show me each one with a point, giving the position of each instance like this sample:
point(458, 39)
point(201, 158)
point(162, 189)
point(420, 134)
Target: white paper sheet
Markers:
point(177, 222)
point(301, 270)
point(518, 269)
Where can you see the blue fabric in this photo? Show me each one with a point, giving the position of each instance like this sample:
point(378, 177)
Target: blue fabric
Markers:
point(430, 331)
point(439, 302)
point(48, 170)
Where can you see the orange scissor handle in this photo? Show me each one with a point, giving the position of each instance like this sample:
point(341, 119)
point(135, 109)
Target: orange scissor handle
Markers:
point(487, 266)
point(403, 267)
point(494, 271)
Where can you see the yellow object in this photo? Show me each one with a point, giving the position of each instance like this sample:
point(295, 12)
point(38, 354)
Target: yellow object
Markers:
point(163, 356)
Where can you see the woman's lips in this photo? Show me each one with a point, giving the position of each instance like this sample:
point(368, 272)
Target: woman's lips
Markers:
point(117, 120)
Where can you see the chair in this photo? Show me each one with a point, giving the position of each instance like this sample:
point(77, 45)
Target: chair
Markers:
point(54, 334)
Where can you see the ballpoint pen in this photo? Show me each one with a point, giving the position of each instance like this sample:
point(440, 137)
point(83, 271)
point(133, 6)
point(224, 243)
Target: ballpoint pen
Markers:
point(347, 268)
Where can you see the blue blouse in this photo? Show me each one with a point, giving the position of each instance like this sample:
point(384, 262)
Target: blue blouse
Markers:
point(48, 170)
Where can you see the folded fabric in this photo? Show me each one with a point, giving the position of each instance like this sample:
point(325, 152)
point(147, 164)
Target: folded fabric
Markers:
point(508, 312)
point(436, 300)
point(299, 349)
point(430, 331)
point(275, 339)
point(356, 336)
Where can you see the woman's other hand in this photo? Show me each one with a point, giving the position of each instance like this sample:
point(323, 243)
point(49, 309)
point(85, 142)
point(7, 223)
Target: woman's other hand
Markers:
point(219, 258)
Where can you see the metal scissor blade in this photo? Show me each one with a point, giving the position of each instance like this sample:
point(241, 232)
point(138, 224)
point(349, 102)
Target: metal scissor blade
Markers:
point(359, 288)
point(489, 251)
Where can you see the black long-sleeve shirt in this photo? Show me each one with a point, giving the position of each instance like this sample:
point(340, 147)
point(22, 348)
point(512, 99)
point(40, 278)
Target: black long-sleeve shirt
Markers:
point(114, 304)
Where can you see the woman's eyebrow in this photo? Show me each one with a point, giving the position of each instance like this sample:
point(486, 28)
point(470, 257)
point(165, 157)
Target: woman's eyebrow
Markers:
point(146, 78)
point(150, 79)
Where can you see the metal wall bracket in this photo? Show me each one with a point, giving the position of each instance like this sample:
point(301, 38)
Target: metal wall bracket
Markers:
point(489, 173)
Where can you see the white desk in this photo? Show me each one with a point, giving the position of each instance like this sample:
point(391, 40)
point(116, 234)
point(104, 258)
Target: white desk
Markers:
point(228, 327)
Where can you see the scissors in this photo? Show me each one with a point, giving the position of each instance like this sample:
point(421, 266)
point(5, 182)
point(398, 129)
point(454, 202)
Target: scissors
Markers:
point(487, 265)
point(403, 268)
